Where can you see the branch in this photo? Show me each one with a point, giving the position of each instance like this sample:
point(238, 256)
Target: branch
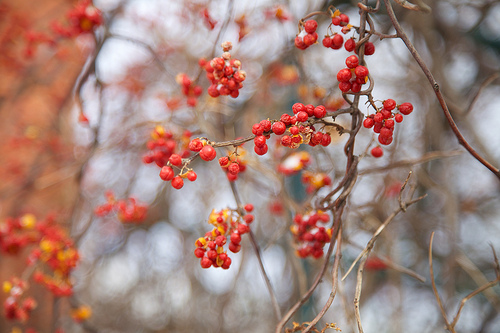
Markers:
point(401, 33)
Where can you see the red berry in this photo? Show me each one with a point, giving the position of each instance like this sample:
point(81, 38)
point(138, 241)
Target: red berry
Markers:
point(385, 140)
point(299, 43)
point(352, 61)
point(191, 175)
point(233, 168)
point(384, 131)
point(310, 109)
point(213, 91)
point(337, 41)
point(195, 145)
point(336, 20)
point(319, 111)
point(205, 262)
point(227, 263)
point(344, 19)
point(377, 152)
point(378, 117)
point(405, 108)
point(259, 141)
point(355, 87)
point(310, 39)
point(177, 182)
point(266, 125)
point(278, 128)
point(208, 153)
point(166, 173)
point(257, 129)
point(175, 159)
point(302, 116)
point(389, 123)
point(294, 130)
point(327, 42)
point(345, 86)
point(286, 140)
point(242, 228)
point(386, 114)
point(326, 140)
point(248, 218)
point(377, 127)
point(235, 248)
point(297, 107)
point(248, 207)
point(224, 161)
point(350, 45)
point(389, 104)
point(235, 238)
point(398, 118)
point(344, 75)
point(369, 48)
point(368, 122)
point(261, 150)
point(310, 26)
point(361, 71)
point(199, 252)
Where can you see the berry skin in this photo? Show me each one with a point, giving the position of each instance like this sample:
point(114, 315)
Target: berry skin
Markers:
point(224, 161)
point(177, 182)
point(327, 42)
point(389, 104)
point(368, 122)
point(248, 207)
point(344, 19)
point(208, 153)
point(235, 248)
point(350, 45)
point(233, 168)
point(199, 252)
point(297, 107)
point(398, 118)
point(377, 152)
point(235, 238)
point(319, 111)
point(361, 71)
point(191, 175)
point(166, 173)
point(326, 140)
point(345, 86)
point(259, 141)
point(310, 26)
point(266, 125)
point(175, 159)
point(286, 140)
point(278, 128)
point(352, 61)
point(195, 145)
point(369, 48)
point(261, 150)
point(389, 123)
point(257, 129)
point(337, 41)
point(344, 75)
point(205, 262)
point(405, 108)
point(302, 116)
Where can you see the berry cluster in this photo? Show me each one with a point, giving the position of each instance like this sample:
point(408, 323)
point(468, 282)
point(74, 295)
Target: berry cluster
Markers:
point(84, 18)
point(227, 222)
point(224, 73)
point(128, 211)
point(336, 40)
point(384, 120)
point(315, 180)
point(234, 164)
point(189, 89)
point(17, 307)
point(308, 36)
point(309, 235)
point(352, 77)
point(164, 144)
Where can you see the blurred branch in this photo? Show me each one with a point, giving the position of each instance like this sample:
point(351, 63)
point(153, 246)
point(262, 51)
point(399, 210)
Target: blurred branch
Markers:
point(401, 33)
point(418, 5)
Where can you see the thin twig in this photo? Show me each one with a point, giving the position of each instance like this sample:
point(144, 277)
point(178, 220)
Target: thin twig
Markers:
point(434, 289)
point(402, 34)
point(256, 248)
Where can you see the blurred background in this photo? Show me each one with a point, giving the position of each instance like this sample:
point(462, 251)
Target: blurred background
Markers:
point(144, 277)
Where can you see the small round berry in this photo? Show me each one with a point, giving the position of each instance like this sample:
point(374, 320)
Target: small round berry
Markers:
point(361, 71)
point(336, 20)
point(191, 176)
point(248, 207)
point(235, 238)
point(368, 122)
point(350, 45)
point(259, 141)
point(378, 117)
point(386, 114)
point(310, 109)
point(257, 129)
point(344, 19)
point(248, 218)
point(278, 128)
point(345, 86)
point(224, 161)
point(319, 111)
point(377, 127)
point(294, 130)
point(389, 104)
point(337, 41)
point(297, 107)
point(405, 108)
point(302, 116)
point(352, 61)
point(205, 262)
point(242, 228)
point(377, 152)
point(286, 140)
point(369, 48)
point(260, 150)
point(220, 240)
point(199, 252)
point(177, 182)
point(398, 117)
point(344, 75)
point(266, 125)
point(327, 42)
point(213, 91)
point(310, 39)
point(226, 263)
point(310, 26)
point(326, 140)
point(355, 87)
point(208, 153)
point(166, 173)
point(389, 123)
point(385, 140)
point(195, 145)
point(233, 168)
point(175, 159)
point(235, 248)
point(387, 132)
